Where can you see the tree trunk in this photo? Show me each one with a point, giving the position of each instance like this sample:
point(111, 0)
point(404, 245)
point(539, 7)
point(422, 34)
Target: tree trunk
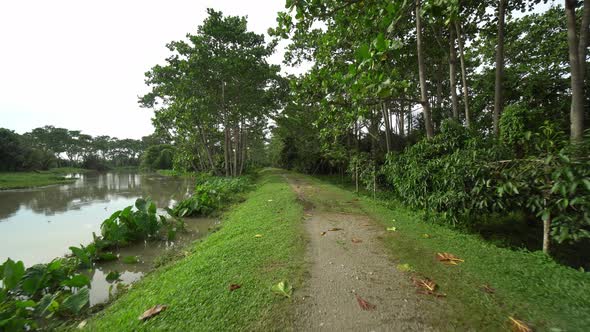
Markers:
point(422, 75)
point(385, 114)
point(463, 74)
point(577, 57)
point(499, 91)
point(453, 73)
point(546, 235)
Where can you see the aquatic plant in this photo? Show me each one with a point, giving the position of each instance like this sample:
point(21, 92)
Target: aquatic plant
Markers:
point(41, 293)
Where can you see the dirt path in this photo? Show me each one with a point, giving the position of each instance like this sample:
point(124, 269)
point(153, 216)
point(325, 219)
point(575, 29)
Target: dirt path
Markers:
point(347, 263)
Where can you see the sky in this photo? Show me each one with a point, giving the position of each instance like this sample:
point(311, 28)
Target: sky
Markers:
point(80, 64)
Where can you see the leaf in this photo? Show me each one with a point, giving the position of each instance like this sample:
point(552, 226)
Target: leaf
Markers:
point(323, 233)
point(77, 281)
point(130, 259)
point(12, 273)
point(82, 255)
point(427, 285)
point(364, 304)
point(392, 229)
point(355, 240)
point(335, 229)
point(519, 326)
point(151, 312)
point(404, 267)
point(449, 259)
point(283, 288)
point(107, 257)
point(233, 287)
point(426, 236)
point(258, 235)
point(113, 276)
point(75, 302)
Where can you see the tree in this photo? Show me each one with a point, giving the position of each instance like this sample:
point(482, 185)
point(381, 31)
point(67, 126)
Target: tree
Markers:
point(578, 45)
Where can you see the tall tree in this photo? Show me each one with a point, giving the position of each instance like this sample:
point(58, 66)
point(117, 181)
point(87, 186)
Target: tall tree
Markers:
point(578, 45)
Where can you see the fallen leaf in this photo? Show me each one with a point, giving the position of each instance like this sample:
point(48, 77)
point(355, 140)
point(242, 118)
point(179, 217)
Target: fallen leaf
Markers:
point(364, 304)
point(283, 288)
point(426, 236)
point(258, 235)
point(392, 229)
point(404, 267)
point(427, 286)
point(233, 287)
point(355, 240)
point(335, 229)
point(153, 311)
point(270, 200)
point(488, 289)
point(449, 259)
point(366, 224)
point(323, 233)
point(519, 326)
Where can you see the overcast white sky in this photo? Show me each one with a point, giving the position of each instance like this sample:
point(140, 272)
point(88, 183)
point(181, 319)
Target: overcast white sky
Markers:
point(80, 64)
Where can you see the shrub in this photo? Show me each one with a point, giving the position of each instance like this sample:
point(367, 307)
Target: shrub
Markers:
point(210, 194)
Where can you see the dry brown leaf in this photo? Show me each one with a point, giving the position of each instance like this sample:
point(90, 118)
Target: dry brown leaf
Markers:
point(323, 233)
point(488, 289)
point(355, 240)
point(449, 259)
point(427, 287)
point(233, 287)
point(519, 326)
point(335, 229)
point(153, 311)
point(366, 224)
point(364, 304)
point(425, 284)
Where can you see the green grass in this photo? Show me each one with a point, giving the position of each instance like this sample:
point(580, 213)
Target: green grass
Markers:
point(196, 288)
point(529, 286)
point(17, 180)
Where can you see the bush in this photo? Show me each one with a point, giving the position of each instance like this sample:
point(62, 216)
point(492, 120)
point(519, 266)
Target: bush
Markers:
point(158, 157)
point(210, 194)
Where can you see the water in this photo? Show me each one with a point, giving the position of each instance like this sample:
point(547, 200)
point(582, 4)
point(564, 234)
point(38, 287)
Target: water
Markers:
point(37, 225)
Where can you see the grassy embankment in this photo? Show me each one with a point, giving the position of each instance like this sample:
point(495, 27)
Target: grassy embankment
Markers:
point(18, 180)
point(527, 285)
point(196, 288)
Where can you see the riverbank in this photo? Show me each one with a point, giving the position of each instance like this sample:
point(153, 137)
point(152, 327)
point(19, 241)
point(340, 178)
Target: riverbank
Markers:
point(259, 244)
point(491, 283)
point(20, 180)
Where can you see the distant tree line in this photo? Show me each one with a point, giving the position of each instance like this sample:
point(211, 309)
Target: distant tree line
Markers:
point(49, 146)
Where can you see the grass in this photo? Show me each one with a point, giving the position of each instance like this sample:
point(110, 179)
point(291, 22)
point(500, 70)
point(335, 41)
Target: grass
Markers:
point(528, 285)
point(18, 180)
point(196, 288)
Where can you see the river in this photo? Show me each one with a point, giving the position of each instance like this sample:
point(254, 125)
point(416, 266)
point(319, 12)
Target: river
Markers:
point(39, 224)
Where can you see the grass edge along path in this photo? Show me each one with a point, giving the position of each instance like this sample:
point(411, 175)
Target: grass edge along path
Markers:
point(525, 285)
point(260, 243)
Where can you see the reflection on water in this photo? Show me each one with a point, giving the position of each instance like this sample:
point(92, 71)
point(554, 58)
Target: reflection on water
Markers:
point(37, 225)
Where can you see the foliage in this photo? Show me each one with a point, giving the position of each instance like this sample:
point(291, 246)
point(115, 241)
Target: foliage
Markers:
point(214, 94)
point(460, 175)
point(158, 157)
point(42, 292)
point(210, 194)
